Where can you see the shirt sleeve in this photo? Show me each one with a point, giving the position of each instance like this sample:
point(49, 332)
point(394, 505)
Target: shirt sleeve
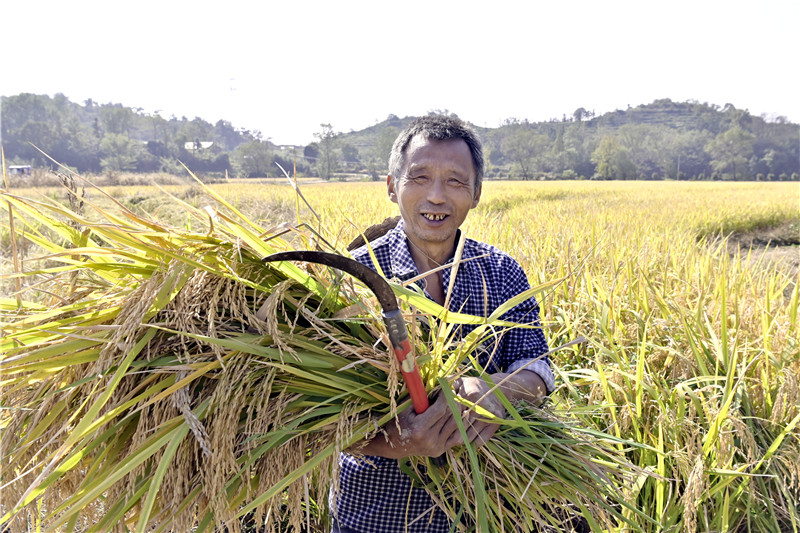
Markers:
point(540, 367)
point(524, 347)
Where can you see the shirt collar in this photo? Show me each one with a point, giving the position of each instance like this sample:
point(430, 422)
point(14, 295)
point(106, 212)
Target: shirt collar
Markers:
point(403, 266)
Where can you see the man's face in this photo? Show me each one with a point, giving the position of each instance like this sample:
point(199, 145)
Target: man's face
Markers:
point(435, 190)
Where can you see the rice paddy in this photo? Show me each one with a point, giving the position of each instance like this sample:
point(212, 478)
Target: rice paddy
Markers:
point(689, 366)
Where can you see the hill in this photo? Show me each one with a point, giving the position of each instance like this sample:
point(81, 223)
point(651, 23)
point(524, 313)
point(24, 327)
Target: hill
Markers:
point(660, 140)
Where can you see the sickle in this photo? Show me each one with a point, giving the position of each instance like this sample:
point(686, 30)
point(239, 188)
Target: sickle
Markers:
point(391, 313)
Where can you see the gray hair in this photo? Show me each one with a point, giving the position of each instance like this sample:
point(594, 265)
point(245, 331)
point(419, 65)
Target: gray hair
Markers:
point(437, 128)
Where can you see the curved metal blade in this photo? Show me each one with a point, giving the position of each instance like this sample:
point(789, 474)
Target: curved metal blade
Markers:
point(369, 277)
point(392, 317)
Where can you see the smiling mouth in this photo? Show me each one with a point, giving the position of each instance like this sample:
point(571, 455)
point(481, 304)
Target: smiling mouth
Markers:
point(433, 218)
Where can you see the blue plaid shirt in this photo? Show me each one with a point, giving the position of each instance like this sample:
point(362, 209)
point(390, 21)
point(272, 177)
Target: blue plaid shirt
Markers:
point(374, 495)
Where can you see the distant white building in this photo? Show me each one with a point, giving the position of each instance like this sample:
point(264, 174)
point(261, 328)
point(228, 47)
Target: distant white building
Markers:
point(19, 170)
point(198, 145)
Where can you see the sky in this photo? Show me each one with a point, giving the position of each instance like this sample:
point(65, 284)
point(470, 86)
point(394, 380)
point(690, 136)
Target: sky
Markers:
point(285, 67)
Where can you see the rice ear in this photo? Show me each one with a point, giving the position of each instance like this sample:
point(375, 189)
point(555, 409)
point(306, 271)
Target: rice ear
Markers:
point(210, 387)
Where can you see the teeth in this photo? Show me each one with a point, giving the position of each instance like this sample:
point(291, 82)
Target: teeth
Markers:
point(434, 217)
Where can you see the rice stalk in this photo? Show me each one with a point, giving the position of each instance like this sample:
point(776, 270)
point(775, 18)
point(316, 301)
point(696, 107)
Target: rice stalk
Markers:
point(12, 232)
point(165, 378)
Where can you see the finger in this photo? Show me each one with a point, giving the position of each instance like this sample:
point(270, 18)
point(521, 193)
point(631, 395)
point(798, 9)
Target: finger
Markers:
point(435, 411)
point(474, 426)
point(454, 438)
point(449, 425)
point(485, 434)
point(472, 433)
point(457, 408)
point(479, 433)
point(450, 433)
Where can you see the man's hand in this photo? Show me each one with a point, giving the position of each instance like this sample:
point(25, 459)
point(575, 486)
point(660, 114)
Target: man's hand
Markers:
point(429, 434)
point(477, 390)
point(523, 385)
point(435, 431)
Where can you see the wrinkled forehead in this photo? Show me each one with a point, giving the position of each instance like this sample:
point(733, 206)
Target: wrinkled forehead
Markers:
point(451, 154)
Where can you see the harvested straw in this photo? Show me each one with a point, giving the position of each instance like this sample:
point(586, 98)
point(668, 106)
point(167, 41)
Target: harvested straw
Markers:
point(177, 383)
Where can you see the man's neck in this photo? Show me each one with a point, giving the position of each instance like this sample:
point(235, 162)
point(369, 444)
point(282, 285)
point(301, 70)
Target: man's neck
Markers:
point(428, 258)
point(426, 261)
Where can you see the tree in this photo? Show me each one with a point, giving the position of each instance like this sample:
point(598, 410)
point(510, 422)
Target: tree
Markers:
point(558, 154)
point(377, 159)
point(226, 135)
point(731, 150)
point(442, 112)
point(578, 148)
point(611, 160)
point(161, 129)
point(327, 161)
point(116, 119)
point(350, 154)
point(372, 168)
point(253, 159)
point(645, 146)
point(769, 160)
point(196, 130)
point(662, 139)
point(119, 152)
point(384, 146)
point(525, 149)
point(311, 153)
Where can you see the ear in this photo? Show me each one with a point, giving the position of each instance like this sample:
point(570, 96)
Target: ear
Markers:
point(477, 197)
point(390, 188)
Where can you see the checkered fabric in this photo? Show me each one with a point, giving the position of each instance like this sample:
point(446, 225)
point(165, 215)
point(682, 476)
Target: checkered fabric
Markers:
point(374, 495)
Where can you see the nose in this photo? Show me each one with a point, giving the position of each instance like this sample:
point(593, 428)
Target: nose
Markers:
point(436, 191)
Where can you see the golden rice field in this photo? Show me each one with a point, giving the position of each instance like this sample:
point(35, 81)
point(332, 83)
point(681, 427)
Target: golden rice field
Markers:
point(691, 348)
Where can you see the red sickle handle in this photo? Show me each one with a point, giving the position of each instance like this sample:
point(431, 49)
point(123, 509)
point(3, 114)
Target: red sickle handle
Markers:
point(408, 367)
point(408, 364)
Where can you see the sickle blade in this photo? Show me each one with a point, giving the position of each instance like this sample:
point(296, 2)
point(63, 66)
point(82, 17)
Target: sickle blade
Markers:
point(369, 277)
point(391, 313)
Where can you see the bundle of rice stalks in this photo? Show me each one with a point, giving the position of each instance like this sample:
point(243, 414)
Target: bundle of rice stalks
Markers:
point(164, 379)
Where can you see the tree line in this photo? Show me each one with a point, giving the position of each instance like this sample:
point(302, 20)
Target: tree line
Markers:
point(660, 140)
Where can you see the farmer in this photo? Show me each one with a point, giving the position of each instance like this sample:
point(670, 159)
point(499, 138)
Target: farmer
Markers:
point(435, 172)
